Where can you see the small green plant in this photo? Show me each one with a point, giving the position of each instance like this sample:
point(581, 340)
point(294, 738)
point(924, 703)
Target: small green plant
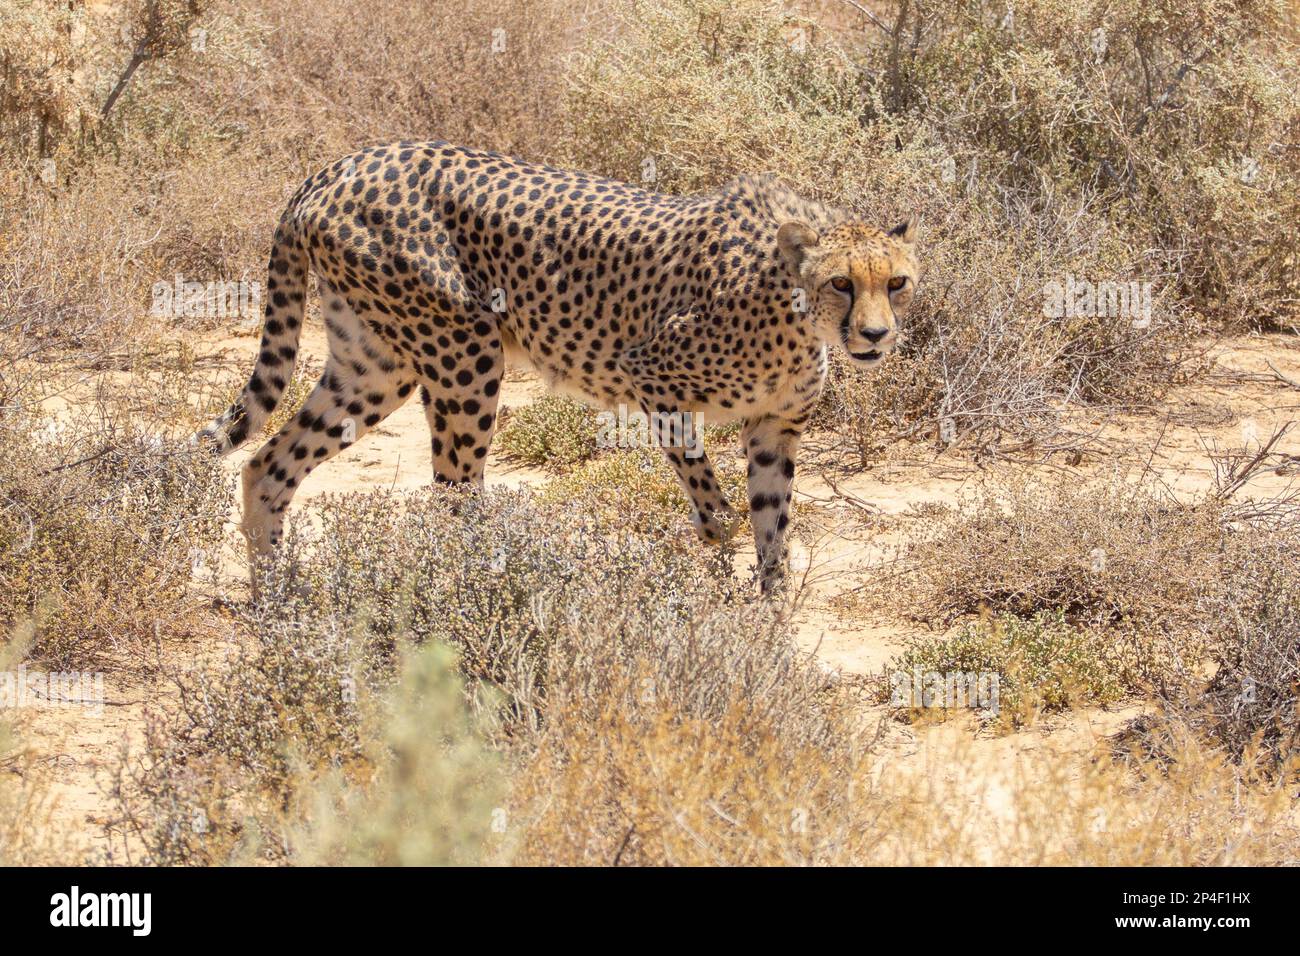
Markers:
point(638, 486)
point(428, 791)
point(21, 801)
point(555, 433)
point(1040, 664)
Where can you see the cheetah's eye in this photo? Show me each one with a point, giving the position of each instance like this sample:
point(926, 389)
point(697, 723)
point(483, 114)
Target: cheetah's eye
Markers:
point(897, 283)
point(841, 284)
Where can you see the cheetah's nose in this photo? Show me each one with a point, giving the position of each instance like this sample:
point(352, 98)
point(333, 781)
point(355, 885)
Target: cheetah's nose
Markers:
point(874, 335)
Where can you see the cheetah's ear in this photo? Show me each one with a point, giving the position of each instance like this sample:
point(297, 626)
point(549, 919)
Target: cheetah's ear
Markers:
point(795, 239)
point(905, 230)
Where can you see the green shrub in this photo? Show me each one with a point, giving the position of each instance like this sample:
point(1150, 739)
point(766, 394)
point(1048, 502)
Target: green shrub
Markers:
point(554, 433)
point(1039, 663)
point(428, 792)
point(639, 487)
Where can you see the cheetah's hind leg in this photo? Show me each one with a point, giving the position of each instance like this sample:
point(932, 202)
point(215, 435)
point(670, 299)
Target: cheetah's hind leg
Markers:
point(361, 386)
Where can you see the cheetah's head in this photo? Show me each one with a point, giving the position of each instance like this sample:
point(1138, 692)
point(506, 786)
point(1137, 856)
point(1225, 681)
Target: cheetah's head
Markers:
point(857, 282)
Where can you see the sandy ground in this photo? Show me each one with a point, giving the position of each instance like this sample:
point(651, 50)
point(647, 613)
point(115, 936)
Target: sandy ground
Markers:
point(1241, 400)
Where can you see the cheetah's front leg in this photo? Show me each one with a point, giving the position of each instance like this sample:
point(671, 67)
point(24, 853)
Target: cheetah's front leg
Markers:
point(713, 517)
point(662, 380)
point(771, 444)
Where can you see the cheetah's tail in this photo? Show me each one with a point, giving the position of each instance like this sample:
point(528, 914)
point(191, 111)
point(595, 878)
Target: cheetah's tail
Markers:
point(286, 293)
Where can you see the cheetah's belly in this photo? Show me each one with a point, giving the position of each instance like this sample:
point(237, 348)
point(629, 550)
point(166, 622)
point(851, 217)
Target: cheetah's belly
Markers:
point(607, 390)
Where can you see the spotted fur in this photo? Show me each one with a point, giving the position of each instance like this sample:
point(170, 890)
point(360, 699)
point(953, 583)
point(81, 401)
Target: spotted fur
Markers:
point(437, 265)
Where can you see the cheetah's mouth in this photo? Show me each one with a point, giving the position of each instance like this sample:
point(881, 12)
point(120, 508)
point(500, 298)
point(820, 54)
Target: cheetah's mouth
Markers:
point(869, 357)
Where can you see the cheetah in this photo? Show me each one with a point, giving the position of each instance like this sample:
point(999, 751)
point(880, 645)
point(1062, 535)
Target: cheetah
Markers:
point(438, 265)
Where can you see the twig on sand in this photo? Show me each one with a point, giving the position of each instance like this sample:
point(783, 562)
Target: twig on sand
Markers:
point(1285, 379)
point(850, 499)
point(1240, 470)
point(869, 15)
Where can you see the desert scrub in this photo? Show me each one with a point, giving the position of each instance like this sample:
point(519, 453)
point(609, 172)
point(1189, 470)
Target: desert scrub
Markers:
point(495, 576)
point(1254, 699)
point(280, 708)
point(1250, 709)
point(554, 433)
point(101, 530)
point(1171, 112)
point(722, 91)
point(388, 773)
point(1042, 663)
point(627, 777)
point(1107, 553)
point(498, 582)
point(296, 683)
point(651, 784)
point(864, 415)
point(632, 711)
point(561, 435)
point(541, 611)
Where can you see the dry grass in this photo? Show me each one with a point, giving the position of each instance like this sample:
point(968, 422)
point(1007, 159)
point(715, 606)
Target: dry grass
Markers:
point(100, 533)
point(681, 792)
point(25, 837)
point(203, 147)
point(1250, 710)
